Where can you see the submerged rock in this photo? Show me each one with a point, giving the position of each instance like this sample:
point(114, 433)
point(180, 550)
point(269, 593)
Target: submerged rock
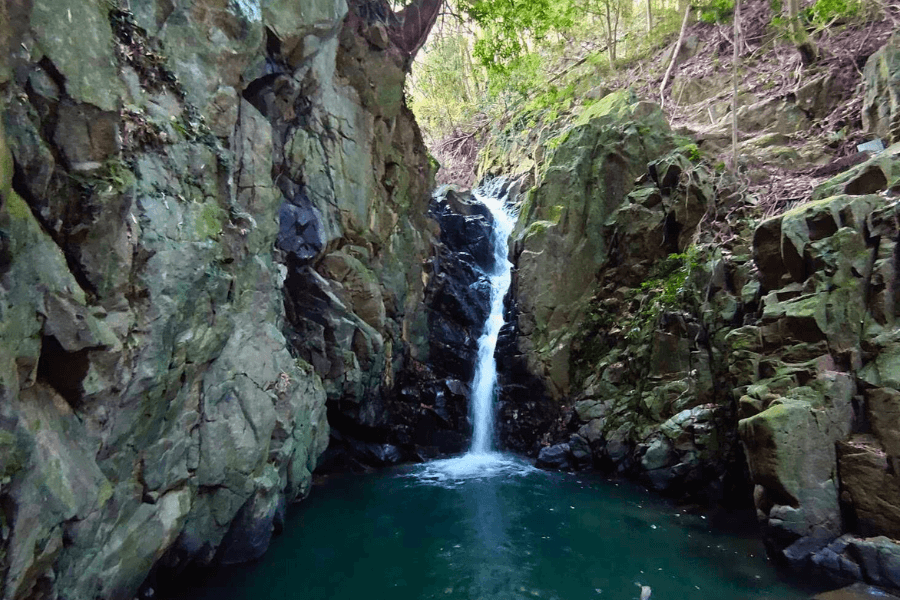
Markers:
point(856, 591)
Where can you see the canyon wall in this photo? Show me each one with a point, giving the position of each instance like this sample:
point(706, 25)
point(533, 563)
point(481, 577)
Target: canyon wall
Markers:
point(214, 228)
point(682, 340)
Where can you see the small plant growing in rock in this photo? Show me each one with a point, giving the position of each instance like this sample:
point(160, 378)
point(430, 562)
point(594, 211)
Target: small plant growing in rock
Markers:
point(114, 175)
point(664, 289)
point(692, 152)
point(283, 385)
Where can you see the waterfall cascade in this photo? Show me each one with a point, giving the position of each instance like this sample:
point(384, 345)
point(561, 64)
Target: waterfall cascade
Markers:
point(493, 196)
point(482, 460)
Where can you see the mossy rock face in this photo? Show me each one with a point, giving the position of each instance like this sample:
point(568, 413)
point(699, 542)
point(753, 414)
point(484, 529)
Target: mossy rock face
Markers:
point(817, 310)
point(148, 389)
point(76, 36)
point(879, 173)
point(881, 104)
point(871, 485)
point(791, 455)
point(562, 231)
point(798, 364)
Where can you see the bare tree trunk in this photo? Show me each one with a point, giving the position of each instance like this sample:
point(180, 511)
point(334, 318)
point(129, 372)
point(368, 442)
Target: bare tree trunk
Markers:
point(610, 37)
point(649, 16)
point(473, 73)
point(414, 23)
point(805, 47)
point(734, 85)
point(665, 81)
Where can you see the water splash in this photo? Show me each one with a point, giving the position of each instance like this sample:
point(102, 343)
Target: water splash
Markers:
point(452, 472)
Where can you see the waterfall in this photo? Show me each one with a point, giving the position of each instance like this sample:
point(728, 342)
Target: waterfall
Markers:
point(482, 461)
point(484, 383)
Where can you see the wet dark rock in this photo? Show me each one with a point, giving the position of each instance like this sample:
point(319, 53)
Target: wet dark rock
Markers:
point(798, 554)
point(458, 296)
point(526, 413)
point(247, 541)
point(465, 227)
point(426, 414)
point(379, 454)
point(661, 479)
point(300, 232)
point(460, 292)
point(832, 562)
point(580, 452)
point(554, 457)
point(251, 531)
point(880, 559)
point(346, 453)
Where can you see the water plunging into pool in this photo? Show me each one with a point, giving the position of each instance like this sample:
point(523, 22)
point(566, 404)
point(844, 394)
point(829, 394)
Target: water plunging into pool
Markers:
point(489, 525)
point(485, 380)
point(482, 460)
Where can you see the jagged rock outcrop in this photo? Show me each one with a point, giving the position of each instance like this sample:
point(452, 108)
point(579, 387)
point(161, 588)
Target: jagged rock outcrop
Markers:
point(559, 240)
point(881, 104)
point(629, 359)
point(425, 415)
point(212, 223)
point(818, 415)
point(712, 355)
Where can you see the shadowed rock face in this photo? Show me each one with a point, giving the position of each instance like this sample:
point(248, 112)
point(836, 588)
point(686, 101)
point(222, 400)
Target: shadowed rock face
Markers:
point(212, 230)
point(427, 413)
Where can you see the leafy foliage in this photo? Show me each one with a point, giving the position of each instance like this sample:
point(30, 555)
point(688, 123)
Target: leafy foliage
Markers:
point(508, 24)
point(716, 11)
point(490, 59)
point(824, 11)
point(664, 289)
point(446, 87)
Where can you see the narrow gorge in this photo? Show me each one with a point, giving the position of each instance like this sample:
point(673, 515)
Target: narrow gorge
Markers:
point(225, 266)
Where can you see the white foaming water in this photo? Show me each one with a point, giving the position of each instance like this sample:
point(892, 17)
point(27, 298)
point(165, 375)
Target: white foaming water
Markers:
point(481, 461)
point(451, 472)
point(485, 381)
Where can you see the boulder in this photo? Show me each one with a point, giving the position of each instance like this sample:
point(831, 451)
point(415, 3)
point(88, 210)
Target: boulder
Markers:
point(658, 455)
point(871, 487)
point(790, 451)
point(580, 452)
point(562, 237)
point(875, 175)
point(855, 591)
point(880, 560)
point(554, 457)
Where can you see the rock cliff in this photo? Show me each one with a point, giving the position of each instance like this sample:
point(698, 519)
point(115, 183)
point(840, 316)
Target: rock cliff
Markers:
point(684, 340)
point(213, 230)
point(219, 254)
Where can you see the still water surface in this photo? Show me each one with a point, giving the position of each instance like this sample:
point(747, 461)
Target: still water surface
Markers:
point(512, 532)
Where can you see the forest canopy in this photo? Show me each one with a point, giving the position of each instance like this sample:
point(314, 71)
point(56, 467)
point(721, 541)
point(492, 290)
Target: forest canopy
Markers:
point(485, 57)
